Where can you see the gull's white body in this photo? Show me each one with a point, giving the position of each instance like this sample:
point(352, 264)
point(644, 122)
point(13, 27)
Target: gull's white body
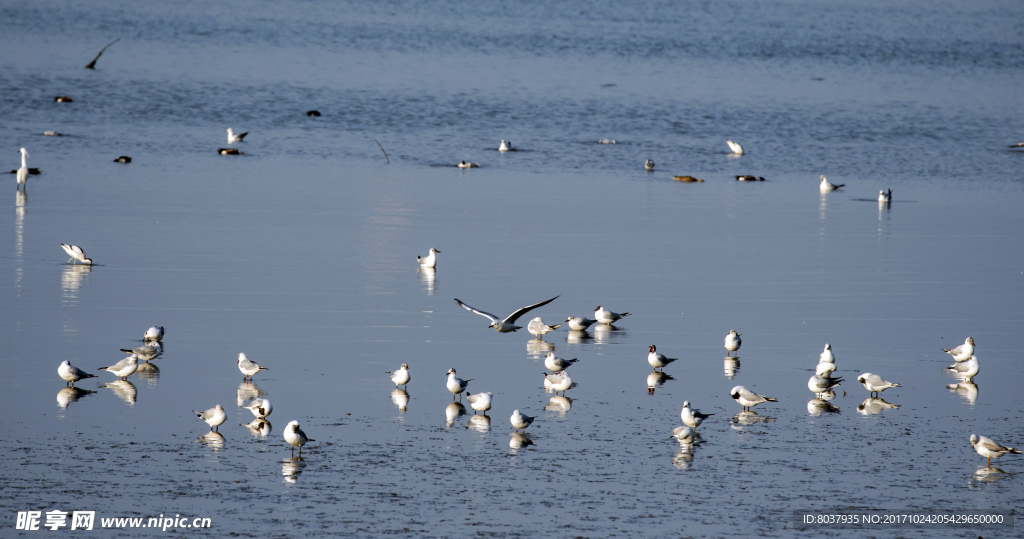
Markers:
point(735, 147)
point(684, 434)
point(989, 449)
point(124, 368)
point(748, 398)
point(605, 316)
point(213, 417)
point(456, 385)
point(23, 171)
point(248, 367)
point(874, 383)
point(76, 253)
point(429, 261)
point(520, 421)
point(557, 364)
point(71, 374)
point(401, 376)
point(692, 417)
point(825, 186)
point(260, 407)
point(962, 352)
point(538, 327)
point(465, 164)
point(966, 369)
point(579, 324)
point(733, 341)
point(825, 369)
point(233, 138)
point(509, 322)
point(295, 437)
point(155, 333)
point(885, 196)
point(649, 165)
point(559, 382)
point(504, 146)
point(481, 402)
point(827, 356)
point(658, 361)
point(819, 384)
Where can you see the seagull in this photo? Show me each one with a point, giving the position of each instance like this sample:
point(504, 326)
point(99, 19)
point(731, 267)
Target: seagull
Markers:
point(123, 159)
point(607, 141)
point(295, 437)
point(649, 165)
point(826, 356)
point(154, 333)
point(874, 383)
point(825, 186)
point(557, 364)
point(213, 417)
point(481, 402)
point(885, 196)
point(692, 417)
point(733, 341)
point(966, 369)
point(749, 178)
point(23, 171)
point(508, 324)
point(748, 398)
point(260, 407)
point(989, 449)
point(825, 369)
point(124, 368)
point(147, 351)
point(1018, 145)
point(819, 384)
point(401, 376)
point(735, 147)
point(687, 179)
point(76, 253)
point(963, 352)
point(505, 146)
point(71, 374)
point(233, 138)
point(684, 434)
point(63, 99)
point(248, 367)
point(429, 261)
point(520, 421)
point(464, 164)
point(539, 328)
point(559, 382)
point(658, 361)
point(456, 385)
point(605, 316)
point(228, 151)
point(579, 324)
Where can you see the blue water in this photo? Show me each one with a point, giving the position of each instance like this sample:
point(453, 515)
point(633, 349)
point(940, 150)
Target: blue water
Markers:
point(301, 253)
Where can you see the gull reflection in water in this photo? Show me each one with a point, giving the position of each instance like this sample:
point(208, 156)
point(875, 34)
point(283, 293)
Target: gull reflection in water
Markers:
point(246, 392)
point(71, 394)
point(656, 379)
point(213, 439)
point(986, 475)
point(428, 278)
point(149, 371)
point(684, 458)
point(559, 404)
point(452, 412)
point(732, 366)
point(874, 405)
point(535, 348)
point(480, 423)
point(747, 418)
point(20, 200)
point(967, 390)
point(291, 469)
point(401, 399)
point(124, 389)
point(519, 440)
point(258, 427)
point(817, 407)
point(604, 332)
point(576, 336)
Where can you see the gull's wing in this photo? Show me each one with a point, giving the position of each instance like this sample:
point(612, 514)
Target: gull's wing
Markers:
point(481, 313)
point(512, 317)
point(991, 445)
point(92, 64)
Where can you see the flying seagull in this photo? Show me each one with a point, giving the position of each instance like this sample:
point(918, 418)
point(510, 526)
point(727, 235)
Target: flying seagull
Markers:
point(509, 323)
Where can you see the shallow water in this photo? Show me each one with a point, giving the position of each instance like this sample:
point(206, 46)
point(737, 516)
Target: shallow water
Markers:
point(300, 253)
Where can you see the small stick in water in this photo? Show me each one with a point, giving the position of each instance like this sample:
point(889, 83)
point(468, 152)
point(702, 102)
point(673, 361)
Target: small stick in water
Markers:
point(382, 149)
point(92, 64)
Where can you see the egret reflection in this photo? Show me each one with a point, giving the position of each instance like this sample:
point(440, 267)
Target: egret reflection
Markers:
point(71, 394)
point(818, 407)
point(124, 390)
point(657, 379)
point(559, 404)
point(453, 411)
point(291, 469)
point(874, 406)
point(967, 390)
point(259, 427)
point(480, 423)
point(401, 399)
point(213, 439)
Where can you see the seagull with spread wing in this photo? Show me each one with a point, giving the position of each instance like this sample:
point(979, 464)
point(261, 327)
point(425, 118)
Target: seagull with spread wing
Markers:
point(509, 322)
